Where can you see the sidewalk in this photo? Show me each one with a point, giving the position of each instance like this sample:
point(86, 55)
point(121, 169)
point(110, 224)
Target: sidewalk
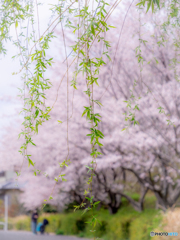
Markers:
point(18, 235)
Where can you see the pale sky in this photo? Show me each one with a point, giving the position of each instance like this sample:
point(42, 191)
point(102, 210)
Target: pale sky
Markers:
point(9, 83)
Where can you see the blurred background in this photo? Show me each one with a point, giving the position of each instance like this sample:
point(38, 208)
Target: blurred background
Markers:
point(137, 179)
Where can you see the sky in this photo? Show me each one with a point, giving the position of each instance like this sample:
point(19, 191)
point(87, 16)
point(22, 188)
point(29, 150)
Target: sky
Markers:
point(9, 84)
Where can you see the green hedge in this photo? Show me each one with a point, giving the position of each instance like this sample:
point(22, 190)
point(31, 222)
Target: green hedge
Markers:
point(144, 224)
point(127, 224)
point(22, 223)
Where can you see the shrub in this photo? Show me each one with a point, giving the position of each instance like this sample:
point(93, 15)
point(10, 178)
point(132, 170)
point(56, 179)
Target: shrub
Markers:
point(59, 232)
point(73, 223)
point(126, 224)
point(22, 223)
point(101, 229)
point(146, 222)
point(115, 229)
point(81, 234)
point(80, 223)
point(54, 222)
point(49, 209)
point(120, 224)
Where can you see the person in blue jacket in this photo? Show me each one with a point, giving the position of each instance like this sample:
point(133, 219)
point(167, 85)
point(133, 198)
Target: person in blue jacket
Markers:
point(38, 229)
point(41, 226)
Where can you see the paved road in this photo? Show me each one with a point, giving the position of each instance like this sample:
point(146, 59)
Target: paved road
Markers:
point(13, 235)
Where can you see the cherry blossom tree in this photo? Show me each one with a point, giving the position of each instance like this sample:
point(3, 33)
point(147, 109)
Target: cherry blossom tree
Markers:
point(149, 151)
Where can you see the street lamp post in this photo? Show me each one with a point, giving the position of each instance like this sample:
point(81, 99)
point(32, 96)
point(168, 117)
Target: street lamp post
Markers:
point(6, 212)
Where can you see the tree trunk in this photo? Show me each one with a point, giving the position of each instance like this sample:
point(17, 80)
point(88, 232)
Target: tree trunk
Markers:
point(112, 209)
point(161, 202)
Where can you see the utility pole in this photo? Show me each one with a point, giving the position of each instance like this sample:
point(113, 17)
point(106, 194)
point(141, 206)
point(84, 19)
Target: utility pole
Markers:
point(6, 212)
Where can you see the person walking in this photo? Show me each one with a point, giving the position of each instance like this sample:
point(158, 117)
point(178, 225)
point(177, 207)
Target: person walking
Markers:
point(34, 221)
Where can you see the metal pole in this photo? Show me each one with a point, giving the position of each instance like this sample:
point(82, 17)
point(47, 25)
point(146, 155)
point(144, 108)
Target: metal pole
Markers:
point(6, 212)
